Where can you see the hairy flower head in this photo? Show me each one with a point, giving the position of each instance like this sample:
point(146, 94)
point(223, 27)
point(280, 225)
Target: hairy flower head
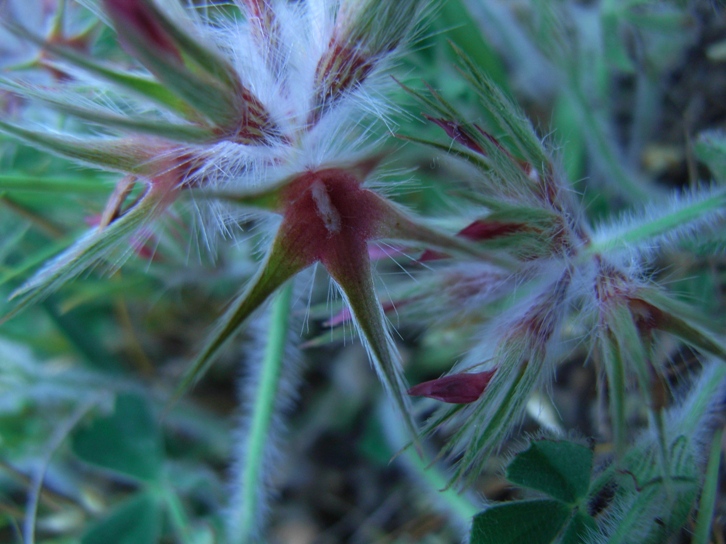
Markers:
point(274, 110)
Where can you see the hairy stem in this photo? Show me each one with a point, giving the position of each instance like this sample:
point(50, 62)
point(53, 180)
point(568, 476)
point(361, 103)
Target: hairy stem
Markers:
point(702, 533)
point(649, 228)
point(264, 406)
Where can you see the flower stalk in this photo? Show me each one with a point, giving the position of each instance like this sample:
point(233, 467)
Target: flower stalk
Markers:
point(251, 487)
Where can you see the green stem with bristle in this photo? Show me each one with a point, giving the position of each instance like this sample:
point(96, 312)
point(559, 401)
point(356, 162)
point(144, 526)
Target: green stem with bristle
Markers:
point(702, 533)
point(647, 229)
point(262, 413)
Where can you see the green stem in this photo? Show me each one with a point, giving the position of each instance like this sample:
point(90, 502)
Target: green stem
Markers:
point(616, 382)
point(641, 232)
point(261, 417)
point(177, 515)
point(708, 494)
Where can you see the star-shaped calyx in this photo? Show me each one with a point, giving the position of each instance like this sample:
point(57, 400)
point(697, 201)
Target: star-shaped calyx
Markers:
point(329, 217)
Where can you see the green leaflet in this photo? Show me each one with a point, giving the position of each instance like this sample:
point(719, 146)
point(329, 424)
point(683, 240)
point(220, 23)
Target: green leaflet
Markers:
point(128, 441)
point(535, 522)
point(558, 468)
point(138, 520)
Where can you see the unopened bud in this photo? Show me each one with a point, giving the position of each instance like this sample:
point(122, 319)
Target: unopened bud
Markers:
point(455, 388)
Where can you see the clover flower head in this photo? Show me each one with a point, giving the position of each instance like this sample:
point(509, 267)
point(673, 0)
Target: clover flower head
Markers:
point(274, 111)
point(553, 281)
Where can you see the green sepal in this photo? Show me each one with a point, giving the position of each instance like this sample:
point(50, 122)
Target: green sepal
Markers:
point(398, 225)
point(47, 184)
point(681, 320)
point(121, 155)
point(478, 160)
point(267, 198)
point(34, 260)
point(615, 372)
point(91, 248)
point(508, 116)
point(98, 115)
point(280, 265)
point(200, 91)
point(630, 345)
point(436, 106)
point(138, 84)
point(203, 58)
point(350, 267)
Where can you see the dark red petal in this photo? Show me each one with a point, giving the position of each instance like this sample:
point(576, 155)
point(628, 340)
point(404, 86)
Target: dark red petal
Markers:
point(455, 388)
point(486, 230)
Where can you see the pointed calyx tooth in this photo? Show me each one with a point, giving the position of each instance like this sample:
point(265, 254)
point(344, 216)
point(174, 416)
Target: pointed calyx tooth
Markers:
point(261, 15)
point(366, 31)
point(139, 27)
point(461, 388)
point(255, 124)
point(193, 70)
point(378, 26)
point(341, 69)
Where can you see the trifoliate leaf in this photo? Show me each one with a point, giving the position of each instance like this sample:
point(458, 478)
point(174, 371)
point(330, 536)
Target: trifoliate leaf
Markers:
point(128, 441)
point(533, 522)
point(558, 468)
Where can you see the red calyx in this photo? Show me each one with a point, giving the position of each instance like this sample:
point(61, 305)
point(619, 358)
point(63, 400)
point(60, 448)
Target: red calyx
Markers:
point(328, 213)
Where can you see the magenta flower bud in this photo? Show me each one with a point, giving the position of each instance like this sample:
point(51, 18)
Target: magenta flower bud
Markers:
point(478, 231)
point(456, 388)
